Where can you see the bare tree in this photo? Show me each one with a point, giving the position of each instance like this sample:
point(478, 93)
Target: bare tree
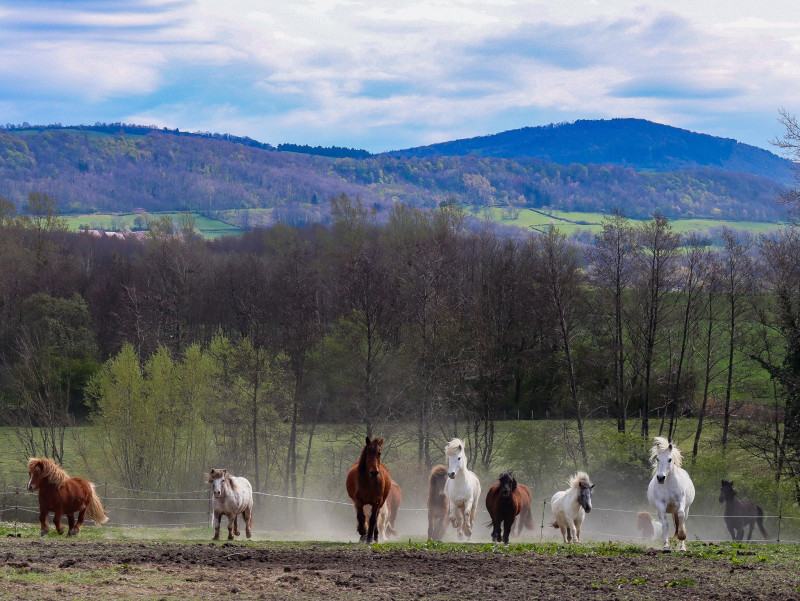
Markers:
point(737, 282)
point(611, 273)
point(657, 258)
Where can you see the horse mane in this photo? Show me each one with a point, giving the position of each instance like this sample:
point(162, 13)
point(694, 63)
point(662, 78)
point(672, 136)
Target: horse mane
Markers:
point(213, 475)
point(660, 445)
point(50, 470)
point(453, 447)
point(581, 477)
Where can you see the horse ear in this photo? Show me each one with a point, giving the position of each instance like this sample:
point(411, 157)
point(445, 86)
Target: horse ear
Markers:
point(380, 442)
point(669, 448)
point(459, 448)
point(368, 440)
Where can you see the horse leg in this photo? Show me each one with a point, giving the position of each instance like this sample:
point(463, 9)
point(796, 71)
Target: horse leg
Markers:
point(79, 523)
point(662, 516)
point(455, 520)
point(71, 524)
point(57, 516)
point(508, 523)
point(469, 517)
point(43, 522)
point(232, 525)
point(372, 531)
point(235, 524)
point(680, 527)
point(360, 522)
point(750, 532)
point(217, 519)
point(731, 528)
point(247, 517)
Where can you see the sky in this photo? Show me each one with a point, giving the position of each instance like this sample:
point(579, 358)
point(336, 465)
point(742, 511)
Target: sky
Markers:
point(390, 74)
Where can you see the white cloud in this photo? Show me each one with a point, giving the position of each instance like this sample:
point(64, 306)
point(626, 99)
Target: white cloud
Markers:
point(358, 70)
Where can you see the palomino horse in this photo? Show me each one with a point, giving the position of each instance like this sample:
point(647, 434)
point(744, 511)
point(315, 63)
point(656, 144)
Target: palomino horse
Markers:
point(740, 513)
point(388, 513)
point(570, 506)
point(63, 495)
point(670, 490)
point(368, 483)
point(504, 504)
point(438, 506)
point(233, 495)
point(462, 489)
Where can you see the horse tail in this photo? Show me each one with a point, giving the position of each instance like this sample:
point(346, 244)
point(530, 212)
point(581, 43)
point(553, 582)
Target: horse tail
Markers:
point(94, 509)
point(760, 522)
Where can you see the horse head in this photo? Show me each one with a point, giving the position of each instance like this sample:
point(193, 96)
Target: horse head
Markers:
point(372, 456)
point(584, 487)
point(34, 474)
point(508, 483)
point(726, 491)
point(217, 479)
point(456, 458)
point(666, 457)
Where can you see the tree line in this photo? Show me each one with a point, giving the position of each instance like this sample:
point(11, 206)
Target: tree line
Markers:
point(251, 342)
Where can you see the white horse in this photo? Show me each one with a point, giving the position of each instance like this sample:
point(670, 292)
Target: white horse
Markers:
point(462, 488)
point(570, 506)
point(670, 490)
point(233, 495)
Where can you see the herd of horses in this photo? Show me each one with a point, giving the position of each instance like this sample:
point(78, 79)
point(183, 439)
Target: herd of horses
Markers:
point(453, 495)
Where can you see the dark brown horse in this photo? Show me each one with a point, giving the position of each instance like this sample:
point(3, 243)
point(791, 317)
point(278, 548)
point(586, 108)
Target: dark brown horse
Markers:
point(369, 483)
point(740, 513)
point(525, 516)
point(63, 495)
point(504, 503)
point(438, 505)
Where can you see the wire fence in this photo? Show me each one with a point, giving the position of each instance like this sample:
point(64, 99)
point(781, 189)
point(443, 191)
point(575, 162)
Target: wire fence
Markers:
point(316, 518)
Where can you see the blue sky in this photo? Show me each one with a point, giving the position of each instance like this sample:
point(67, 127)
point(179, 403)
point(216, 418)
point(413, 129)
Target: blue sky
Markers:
point(385, 75)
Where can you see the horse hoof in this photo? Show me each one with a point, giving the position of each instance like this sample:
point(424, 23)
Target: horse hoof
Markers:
point(43, 533)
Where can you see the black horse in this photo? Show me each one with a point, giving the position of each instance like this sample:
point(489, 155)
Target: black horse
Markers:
point(740, 513)
point(504, 503)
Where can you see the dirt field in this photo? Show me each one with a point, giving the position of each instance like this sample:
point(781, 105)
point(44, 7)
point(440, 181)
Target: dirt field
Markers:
point(57, 568)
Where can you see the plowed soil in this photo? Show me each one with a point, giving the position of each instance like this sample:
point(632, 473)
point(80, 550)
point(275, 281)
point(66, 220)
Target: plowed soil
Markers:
point(59, 568)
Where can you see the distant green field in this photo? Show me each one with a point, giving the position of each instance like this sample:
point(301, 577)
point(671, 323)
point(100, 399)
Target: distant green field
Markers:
point(575, 221)
point(528, 219)
point(208, 228)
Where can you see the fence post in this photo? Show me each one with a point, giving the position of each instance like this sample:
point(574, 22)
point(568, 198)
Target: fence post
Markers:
point(780, 519)
point(541, 531)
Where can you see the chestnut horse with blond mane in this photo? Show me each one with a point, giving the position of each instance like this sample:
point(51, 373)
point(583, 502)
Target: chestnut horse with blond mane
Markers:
point(368, 483)
point(63, 495)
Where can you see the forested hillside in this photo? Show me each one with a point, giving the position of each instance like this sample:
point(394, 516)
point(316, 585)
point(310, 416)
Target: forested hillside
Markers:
point(95, 169)
point(636, 143)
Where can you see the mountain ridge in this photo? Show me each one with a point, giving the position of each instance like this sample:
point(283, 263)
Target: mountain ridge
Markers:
point(628, 142)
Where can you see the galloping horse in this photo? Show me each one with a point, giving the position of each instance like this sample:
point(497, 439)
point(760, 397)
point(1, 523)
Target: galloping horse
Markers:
point(368, 483)
point(438, 506)
point(670, 490)
point(570, 506)
point(233, 495)
point(504, 504)
point(462, 489)
point(61, 494)
point(740, 513)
